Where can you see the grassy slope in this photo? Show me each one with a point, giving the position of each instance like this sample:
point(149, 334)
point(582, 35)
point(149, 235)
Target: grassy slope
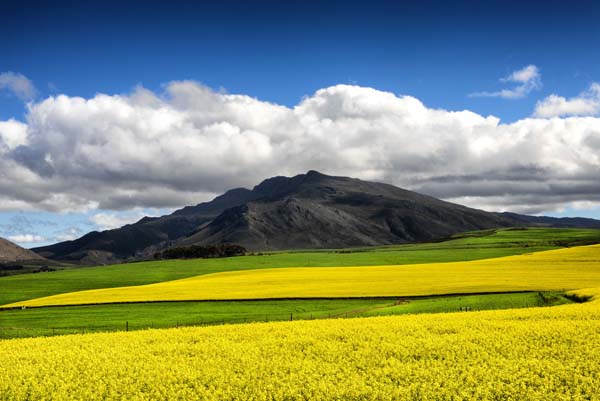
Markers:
point(78, 319)
point(497, 244)
point(569, 268)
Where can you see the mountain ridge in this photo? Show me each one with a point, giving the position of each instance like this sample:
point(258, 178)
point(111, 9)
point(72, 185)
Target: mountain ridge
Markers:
point(310, 210)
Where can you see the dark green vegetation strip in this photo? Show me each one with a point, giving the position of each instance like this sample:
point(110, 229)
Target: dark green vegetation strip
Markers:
point(472, 303)
point(469, 246)
point(85, 319)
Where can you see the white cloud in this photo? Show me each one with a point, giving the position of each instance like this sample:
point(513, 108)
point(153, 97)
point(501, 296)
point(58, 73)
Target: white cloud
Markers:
point(108, 221)
point(26, 238)
point(524, 75)
point(528, 79)
point(586, 104)
point(189, 143)
point(18, 84)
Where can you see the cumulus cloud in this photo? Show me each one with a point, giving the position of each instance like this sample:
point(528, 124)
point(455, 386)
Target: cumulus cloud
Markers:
point(586, 104)
point(26, 238)
point(183, 146)
point(110, 220)
point(18, 84)
point(527, 79)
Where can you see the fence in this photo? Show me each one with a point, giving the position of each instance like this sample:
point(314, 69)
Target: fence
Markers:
point(130, 325)
point(18, 332)
point(21, 332)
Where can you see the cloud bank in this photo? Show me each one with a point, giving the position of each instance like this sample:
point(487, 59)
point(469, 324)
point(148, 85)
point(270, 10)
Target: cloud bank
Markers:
point(527, 79)
point(180, 147)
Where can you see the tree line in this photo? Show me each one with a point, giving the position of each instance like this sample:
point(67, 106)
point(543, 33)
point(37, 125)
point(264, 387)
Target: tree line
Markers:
point(202, 251)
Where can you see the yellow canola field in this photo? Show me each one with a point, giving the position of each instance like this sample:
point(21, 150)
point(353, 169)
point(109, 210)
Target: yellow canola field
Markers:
point(570, 268)
point(525, 354)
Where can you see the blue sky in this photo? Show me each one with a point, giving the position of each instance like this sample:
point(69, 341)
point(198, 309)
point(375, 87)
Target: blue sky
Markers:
point(282, 53)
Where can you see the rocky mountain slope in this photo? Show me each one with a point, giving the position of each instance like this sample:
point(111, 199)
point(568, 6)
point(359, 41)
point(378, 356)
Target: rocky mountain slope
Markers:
point(11, 252)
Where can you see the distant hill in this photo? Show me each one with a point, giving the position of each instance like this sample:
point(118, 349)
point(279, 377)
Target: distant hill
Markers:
point(10, 252)
point(558, 222)
point(310, 210)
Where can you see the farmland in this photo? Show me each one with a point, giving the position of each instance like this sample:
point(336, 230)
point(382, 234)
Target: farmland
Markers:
point(372, 331)
point(474, 246)
point(535, 354)
point(118, 317)
point(569, 268)
point(409, 269)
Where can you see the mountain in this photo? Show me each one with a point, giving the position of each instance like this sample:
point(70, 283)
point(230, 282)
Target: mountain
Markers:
point(141, 238)
point(309, 210)
point(558, 222)
point(10, 252)
point(319, 211)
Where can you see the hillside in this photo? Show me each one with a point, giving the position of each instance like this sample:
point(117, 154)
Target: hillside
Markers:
point(309, 210)
point(10, 252)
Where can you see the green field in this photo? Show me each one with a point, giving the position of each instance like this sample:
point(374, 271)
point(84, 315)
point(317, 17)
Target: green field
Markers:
point(473, 246)
point(84, 319)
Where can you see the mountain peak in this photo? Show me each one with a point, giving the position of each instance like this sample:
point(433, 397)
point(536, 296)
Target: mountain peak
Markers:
point(315, 173)
point(281, 186)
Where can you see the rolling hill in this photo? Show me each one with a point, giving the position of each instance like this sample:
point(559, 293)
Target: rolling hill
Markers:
point(309, 210)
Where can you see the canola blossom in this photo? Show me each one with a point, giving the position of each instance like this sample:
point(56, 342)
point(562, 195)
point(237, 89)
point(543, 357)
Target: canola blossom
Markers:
point(526, 354)
point(561, 269)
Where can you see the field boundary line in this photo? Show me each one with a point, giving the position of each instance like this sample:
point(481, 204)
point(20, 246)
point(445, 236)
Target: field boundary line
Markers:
point(399, 297)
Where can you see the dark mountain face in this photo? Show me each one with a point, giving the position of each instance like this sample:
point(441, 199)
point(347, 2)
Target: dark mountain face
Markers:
point(319, 211)
point(310, 210)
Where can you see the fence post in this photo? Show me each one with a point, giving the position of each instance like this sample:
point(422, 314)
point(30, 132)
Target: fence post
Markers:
point(126, 325)
point(291, 317)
